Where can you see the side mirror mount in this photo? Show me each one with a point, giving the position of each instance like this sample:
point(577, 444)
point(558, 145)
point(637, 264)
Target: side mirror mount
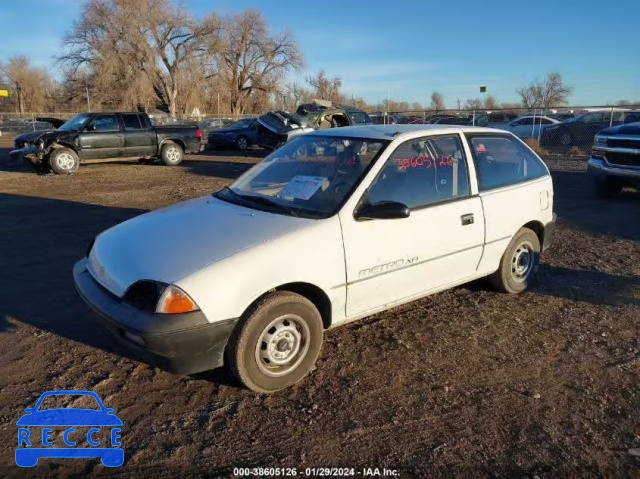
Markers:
point(91, 127)
point(384, 210)
point(29, 410)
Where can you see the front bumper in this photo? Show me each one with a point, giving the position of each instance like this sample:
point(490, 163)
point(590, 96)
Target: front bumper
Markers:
point(26, 151)
point(179, 343)
point(600, 169)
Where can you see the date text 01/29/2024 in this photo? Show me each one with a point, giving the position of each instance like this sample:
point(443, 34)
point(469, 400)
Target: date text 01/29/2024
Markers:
point(315, 472)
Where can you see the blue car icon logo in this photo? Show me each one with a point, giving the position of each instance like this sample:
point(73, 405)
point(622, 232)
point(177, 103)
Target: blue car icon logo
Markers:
point(32, 446)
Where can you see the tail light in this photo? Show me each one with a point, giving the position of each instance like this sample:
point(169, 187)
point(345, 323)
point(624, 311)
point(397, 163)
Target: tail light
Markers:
point(199, 134)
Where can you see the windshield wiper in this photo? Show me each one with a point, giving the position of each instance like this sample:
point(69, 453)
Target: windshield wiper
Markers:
point(262, 200)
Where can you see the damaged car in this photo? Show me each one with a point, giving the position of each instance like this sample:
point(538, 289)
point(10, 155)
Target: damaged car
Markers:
point(279, 127)
point(97, 136)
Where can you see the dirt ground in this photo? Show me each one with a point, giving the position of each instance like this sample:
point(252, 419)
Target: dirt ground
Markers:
point(469, 381)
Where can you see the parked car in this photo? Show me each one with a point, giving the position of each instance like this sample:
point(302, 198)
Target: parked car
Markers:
point(278, 127)
point(208, 125)
point(89, 136)
point(496, 119)
point(529, 126)
point(240, 135)
point(580, 130)
point(615, 159)
point(314, 236)
point(382, 119)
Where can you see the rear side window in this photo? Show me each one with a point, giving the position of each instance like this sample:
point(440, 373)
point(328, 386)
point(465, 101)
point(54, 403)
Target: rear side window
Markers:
point(422, 172)
point(503, 161)
point(131, 122)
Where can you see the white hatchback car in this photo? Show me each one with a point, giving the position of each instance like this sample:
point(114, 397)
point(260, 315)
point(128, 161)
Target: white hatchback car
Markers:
point(334, 226)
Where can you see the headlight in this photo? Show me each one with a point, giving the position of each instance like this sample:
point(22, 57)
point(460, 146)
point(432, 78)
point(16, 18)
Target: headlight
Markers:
point(173, 301)
point(600, 141)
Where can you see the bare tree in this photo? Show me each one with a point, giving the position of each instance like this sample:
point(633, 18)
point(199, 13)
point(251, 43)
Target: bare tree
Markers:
point(32, 89)
point(473, 104)
point(252, 59)
point(129, 46)
point(326, 88)
point(295, 95)
point(490, 102)
point(437, 101)
point(546, 93)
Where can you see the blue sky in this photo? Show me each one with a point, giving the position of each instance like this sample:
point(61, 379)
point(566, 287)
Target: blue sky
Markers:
point(410, 48)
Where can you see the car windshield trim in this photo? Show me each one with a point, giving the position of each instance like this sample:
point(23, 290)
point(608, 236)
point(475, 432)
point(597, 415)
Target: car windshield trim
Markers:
point(263, 203)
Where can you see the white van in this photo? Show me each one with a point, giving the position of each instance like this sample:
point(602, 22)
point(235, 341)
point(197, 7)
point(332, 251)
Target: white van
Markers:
point(332, 227)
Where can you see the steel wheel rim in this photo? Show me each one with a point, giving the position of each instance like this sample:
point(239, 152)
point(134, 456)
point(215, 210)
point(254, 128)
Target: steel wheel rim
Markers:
point(242, 143)
point(522, 261)
point(173, 154)
point(65, 161)
point(565, 139)
point(282, 345)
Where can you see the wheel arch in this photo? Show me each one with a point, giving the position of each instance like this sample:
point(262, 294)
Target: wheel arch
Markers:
point(177, 141)
point(538, 228)
point(313, 293)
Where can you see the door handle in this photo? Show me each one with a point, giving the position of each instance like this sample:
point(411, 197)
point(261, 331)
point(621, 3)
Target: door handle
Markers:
point(467, 219)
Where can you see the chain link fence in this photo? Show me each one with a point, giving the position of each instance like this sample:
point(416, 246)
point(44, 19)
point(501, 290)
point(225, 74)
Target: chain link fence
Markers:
point(563, 131)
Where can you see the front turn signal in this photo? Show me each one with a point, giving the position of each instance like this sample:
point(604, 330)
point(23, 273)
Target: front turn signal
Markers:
point(174, 301)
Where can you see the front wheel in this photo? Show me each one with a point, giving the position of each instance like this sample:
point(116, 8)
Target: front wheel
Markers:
point(277, 342)
point(242, 143)
point(171, 154)
point(519, 264)
point(63, 161)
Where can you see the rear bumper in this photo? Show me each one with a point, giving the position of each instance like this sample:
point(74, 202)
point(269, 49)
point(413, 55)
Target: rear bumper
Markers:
point(549, 229)
point(600, 169)
point(179, 343)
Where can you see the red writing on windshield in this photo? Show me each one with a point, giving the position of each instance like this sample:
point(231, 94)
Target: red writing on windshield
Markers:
point(424, 161)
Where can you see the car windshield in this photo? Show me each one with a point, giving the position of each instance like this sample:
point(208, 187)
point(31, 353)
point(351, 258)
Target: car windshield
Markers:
point(66, 401)
point(311, 176)
point(76, 123)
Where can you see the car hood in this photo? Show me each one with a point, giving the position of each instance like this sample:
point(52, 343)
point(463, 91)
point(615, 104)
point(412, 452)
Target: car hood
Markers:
point(32, 135)
point(171, 243)
point(69, 417)
point(628, 129)
point(282, 122)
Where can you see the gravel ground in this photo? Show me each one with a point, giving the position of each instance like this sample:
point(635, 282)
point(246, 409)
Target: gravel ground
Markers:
point(464, 382)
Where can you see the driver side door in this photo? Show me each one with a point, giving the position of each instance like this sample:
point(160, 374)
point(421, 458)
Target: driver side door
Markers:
point(440, 243)
point(102, 138)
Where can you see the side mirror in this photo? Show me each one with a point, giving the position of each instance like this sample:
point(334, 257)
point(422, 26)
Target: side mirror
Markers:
point(91, 127)
point(109, 410)
point(385, 210)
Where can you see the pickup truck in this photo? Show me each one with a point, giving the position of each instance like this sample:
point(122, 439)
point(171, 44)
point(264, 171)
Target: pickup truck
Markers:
point(615, 159)
point(92, 136)
point(334, 226)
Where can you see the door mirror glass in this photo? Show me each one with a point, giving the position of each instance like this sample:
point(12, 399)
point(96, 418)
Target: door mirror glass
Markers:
point(385, 210)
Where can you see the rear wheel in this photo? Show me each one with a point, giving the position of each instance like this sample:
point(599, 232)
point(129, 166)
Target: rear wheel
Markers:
point(171, 154)
point(519, 264)
point(63, 161)
point(566, 139)
point(242, 143)
point(277, 342)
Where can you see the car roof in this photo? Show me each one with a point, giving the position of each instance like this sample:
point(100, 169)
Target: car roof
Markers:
point(389, 132)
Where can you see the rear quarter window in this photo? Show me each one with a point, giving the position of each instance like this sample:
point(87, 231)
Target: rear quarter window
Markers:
point(503, 161)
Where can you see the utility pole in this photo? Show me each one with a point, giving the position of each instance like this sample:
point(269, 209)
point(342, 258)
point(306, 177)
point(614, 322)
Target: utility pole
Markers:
point(218, 104)
point(88, 101)
point(458, 100)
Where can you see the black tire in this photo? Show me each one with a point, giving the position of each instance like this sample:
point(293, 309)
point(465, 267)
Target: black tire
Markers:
point(171, 154)
point(242, 143)
point(512, 276)
point(63, 161)
point(292, 326)
point(608, 188)
point(566, 139)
